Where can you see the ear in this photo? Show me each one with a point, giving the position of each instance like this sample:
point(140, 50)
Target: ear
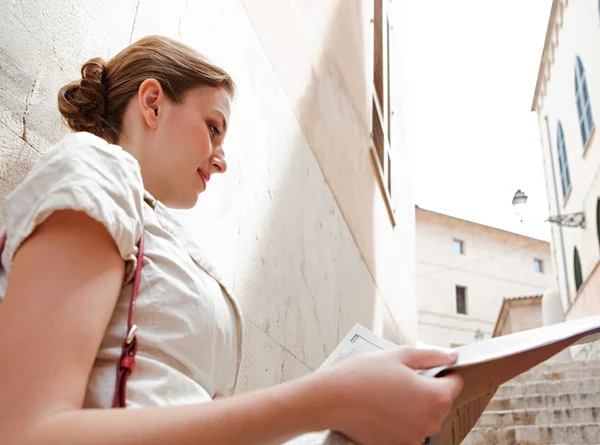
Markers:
point(150, 98)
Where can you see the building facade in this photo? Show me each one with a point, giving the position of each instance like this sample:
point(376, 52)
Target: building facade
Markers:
point(313, 225)
point(466, 270)
point(567, 103)
point(519, 314)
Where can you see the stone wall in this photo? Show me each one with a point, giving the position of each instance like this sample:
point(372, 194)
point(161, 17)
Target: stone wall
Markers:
point(298, 226)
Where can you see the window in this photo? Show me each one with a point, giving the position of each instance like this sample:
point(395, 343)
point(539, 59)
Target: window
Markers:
point(458, 246)
point(577, 267)
point(538, 266)
point(381, 109)
point(563, 164)
point(461, 300)
point(584, 109)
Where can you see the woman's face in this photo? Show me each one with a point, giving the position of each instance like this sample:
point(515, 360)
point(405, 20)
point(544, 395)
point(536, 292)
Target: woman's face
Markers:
point(183, 144)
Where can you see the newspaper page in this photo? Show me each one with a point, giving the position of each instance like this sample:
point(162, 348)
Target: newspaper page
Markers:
point(488, 364)
point(358, 341)
point(484, 366)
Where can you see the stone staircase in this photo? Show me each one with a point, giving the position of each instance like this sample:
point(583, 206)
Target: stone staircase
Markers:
point(554, 403)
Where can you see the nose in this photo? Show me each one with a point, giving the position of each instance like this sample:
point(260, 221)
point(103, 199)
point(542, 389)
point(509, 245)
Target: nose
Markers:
point(219, 163)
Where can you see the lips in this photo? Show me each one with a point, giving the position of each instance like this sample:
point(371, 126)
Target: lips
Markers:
point(204, 175)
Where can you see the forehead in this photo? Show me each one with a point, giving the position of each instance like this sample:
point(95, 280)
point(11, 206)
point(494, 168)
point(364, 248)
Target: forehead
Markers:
point(207, 98)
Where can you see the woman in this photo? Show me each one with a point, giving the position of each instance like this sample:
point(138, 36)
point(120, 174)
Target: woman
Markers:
point(149, 128)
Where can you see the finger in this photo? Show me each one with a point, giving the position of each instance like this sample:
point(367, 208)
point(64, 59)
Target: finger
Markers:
point(455, 383)
point(426, 358)
point(450, 384)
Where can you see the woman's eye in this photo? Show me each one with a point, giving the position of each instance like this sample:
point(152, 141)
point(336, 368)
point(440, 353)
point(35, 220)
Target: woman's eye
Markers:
point(214, 131)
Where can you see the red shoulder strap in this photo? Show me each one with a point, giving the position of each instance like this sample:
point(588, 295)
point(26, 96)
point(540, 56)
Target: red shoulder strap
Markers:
point(126, 363)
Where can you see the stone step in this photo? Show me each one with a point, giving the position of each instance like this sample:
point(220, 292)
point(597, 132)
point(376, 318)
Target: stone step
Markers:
point(565, 366)
point(583, 433)
point(575, 373)
point(549, 387)
point(544, 401)
point(542, 416)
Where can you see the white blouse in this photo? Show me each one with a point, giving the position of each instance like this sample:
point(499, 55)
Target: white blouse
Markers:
point(190, 328)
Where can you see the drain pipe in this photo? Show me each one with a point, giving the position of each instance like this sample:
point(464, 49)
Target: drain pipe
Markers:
point(560, 228)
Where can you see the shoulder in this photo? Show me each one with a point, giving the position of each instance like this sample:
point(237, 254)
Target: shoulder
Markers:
point(86, 149)
point(85, 173)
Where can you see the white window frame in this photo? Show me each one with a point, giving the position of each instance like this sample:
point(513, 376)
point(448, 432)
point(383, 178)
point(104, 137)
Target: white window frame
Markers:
point(582, 101)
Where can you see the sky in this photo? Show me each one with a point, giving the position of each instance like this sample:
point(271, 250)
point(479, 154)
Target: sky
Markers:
point(471, 71)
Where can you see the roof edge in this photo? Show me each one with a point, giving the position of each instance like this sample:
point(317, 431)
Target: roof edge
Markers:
point(483, 225)
point(544, 57)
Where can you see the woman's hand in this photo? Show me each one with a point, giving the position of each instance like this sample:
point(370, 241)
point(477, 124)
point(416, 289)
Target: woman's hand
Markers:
point(379, 399)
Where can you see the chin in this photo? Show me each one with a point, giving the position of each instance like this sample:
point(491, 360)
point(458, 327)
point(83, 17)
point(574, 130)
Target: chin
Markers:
point(191, 204)
point(183, 202)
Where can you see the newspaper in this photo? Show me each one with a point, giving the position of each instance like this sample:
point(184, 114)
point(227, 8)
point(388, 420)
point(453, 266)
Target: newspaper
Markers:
point(358, 341)
point(484, 366)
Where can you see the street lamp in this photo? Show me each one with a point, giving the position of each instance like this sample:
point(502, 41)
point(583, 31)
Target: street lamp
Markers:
point(519, 204)
point(576, 219)
point(478, 335)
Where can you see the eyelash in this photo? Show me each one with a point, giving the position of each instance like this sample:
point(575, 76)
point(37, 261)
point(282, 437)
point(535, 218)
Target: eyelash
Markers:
point(214, 130)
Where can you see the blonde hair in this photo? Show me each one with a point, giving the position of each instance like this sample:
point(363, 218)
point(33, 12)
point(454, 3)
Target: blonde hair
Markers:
point(96, 102)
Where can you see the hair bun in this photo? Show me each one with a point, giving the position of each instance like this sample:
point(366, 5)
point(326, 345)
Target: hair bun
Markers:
point(83, 102)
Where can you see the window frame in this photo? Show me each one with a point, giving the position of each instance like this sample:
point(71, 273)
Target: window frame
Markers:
point(583, 103)
point(563, 161)
point(381, 113)
point(464, 299)
point(536, 262)
point(458, 242)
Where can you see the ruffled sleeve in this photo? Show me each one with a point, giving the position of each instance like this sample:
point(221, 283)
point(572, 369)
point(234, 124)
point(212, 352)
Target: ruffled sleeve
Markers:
point(86, 174)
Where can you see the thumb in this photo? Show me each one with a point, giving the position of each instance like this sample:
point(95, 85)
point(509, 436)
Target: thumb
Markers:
point(427, 358)
point(452, 383)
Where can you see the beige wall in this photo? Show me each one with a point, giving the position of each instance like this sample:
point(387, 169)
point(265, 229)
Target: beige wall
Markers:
point(332, 54)
point(574, 31)
point(298, 227)
point(496, 264)
point(523, 318)
point(521, 314)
